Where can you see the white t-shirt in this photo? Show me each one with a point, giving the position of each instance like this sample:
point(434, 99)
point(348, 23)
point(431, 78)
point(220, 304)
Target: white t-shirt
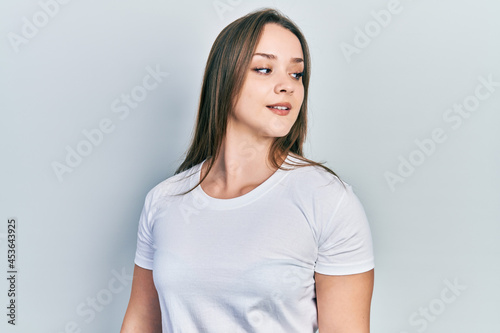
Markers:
point(247, 264)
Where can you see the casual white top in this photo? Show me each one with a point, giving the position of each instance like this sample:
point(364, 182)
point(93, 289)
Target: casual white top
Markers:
point(247, 264)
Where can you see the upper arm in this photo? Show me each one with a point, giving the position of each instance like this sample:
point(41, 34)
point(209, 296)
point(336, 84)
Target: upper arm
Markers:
point(344, 236)
point(143, 313)
point(344, 301)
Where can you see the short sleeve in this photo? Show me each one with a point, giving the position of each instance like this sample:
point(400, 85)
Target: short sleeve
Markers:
point(345, 242)
point(145, 245)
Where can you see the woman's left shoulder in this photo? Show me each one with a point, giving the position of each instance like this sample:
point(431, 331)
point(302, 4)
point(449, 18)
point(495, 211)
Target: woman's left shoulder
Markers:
point(317, 179)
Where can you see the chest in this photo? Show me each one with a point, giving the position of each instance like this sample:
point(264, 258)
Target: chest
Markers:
point(267, 251)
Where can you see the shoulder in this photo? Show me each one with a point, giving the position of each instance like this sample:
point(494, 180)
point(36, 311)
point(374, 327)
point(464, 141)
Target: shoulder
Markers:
point(315, 181)
point(172, 186)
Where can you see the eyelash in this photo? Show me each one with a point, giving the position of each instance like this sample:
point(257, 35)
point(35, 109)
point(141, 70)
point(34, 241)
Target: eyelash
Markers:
point(258, 70)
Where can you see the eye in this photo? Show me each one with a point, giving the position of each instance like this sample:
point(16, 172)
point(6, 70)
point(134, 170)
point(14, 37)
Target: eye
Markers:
point(262, 70)
point(298, 75)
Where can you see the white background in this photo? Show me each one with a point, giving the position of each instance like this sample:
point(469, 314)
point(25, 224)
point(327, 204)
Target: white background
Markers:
point(437, 225)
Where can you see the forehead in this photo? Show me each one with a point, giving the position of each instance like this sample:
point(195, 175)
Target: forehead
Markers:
point(279, 41)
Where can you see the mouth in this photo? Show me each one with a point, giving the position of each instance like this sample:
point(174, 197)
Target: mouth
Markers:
point(281, 109)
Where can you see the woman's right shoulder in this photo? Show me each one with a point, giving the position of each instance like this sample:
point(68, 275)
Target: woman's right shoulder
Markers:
point(172, 186)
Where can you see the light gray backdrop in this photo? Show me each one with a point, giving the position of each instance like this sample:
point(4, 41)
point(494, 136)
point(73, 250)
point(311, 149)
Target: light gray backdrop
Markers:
point(98, 102)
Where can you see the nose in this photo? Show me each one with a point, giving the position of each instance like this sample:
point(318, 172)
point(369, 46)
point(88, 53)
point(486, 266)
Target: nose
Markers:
point(283, 84)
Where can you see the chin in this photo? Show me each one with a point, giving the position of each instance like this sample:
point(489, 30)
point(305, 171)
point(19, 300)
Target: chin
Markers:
point(279, 127)
point(280, 133)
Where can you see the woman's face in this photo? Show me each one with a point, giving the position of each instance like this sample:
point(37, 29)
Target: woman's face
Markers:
point(272, 94)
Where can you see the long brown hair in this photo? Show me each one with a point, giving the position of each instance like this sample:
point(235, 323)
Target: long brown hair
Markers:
point(225, 73)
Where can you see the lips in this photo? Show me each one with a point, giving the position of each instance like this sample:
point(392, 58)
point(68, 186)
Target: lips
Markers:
point(280, 108)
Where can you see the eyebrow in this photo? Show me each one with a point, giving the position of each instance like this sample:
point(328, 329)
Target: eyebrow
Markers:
point(273, 57)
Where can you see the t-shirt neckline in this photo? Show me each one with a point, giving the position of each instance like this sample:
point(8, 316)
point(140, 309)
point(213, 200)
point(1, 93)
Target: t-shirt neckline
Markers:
point(254, 194)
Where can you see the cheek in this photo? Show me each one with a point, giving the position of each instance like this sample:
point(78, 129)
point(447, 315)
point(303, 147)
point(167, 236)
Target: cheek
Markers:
point(252, 95)
point(246, 104)
point(256, 90)
point(300, 95)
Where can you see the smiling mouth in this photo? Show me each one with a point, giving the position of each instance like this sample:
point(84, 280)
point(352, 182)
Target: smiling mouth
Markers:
point(280, 109)
point(284, 106)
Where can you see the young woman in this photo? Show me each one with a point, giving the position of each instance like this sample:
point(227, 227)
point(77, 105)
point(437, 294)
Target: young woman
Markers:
point(248, 235)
